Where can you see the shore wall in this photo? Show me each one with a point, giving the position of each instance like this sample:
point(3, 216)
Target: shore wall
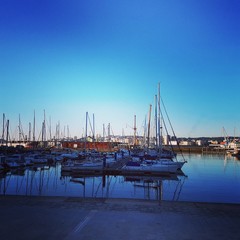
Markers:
point(198, 149)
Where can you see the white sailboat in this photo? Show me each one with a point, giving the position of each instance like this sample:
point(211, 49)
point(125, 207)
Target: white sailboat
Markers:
point(157, 159)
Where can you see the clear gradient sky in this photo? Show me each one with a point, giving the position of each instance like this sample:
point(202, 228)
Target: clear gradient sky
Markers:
point(107, 57)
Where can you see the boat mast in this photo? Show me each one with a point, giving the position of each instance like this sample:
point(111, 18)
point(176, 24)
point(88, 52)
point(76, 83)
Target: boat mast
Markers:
point(68, 133)
point(3, 129)
point(145, 131)
point(103, 133)
point(135, 130)
point(123, 135)
point(159, 121)
point(45, 130)
point(34, 127)
point(44, 133)
point(86, 131)
point(50, 128)
point(7, 133)
point(93, 128)
point(109, 138)
point(19, 129)
point(156, 122)
point(149, 120)
point(29, 132)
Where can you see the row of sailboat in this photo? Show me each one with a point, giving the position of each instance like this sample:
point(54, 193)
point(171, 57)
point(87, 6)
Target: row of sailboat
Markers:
point(139, 159)
point(155, 159)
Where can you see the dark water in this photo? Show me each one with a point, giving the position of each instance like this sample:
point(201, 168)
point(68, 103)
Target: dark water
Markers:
point(208, 178)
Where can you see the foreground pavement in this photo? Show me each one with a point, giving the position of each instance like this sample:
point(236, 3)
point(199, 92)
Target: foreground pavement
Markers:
point(77, 218)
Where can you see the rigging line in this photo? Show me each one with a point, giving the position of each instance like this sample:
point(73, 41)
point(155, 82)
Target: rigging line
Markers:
point(9, 133)
point(7, 182)
point(113, 185)
point(90, 124)
point(175, 192)
point(21, 184)
point(96, 192)
point(181, 186)
point(172, 128)
point(112, 131)
point(4, 130)
point(164, 123)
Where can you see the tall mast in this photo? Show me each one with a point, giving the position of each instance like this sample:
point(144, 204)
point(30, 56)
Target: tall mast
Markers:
point(50, 129)
point(86, 132)
point(34, 127)
point(109, 132)
point(93, 128)
point(44, 129)
point(58, 130)
point(135, 130)
point(86, 125)
point(156, 122)
point(67, 132)
point(45, 133)
point(19, 129)
point(159, 120)
point(145, 131)
point(3, 129)
point(29, 133)
point(149, 120)
point(103, 133)
point(56, 133)
point(7, 132)
point(42, 132)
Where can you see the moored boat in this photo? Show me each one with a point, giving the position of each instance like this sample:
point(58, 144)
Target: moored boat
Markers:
point(152, 166)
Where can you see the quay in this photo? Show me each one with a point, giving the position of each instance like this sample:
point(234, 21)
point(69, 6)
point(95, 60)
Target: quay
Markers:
point(68, 218)
point(198, 149)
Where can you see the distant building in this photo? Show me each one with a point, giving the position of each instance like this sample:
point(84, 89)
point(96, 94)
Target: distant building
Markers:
point(199, 142)
point(186, 143)
point(99, 146)
point(173, 143)
point(166, 140)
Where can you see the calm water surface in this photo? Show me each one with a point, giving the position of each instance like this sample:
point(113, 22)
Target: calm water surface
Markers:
point(207, 178)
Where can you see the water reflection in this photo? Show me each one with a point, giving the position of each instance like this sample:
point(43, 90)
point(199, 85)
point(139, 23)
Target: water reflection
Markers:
point(210, 178)
point(49, 181)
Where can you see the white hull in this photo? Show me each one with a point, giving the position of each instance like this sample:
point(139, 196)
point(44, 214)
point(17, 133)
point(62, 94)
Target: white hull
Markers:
point(80, 166)
point(156, 167)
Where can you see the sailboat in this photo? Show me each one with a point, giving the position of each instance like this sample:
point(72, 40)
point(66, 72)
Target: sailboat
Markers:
point(165, 156)
point(157, 159)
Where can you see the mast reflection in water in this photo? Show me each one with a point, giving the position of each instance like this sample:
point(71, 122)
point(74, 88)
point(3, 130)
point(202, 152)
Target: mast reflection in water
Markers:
point(209, 178)
point(49, 181)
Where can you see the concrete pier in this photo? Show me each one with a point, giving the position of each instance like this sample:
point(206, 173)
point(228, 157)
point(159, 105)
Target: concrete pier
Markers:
point(80, 218)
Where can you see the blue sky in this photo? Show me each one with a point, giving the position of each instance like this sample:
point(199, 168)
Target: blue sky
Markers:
point(107, 57)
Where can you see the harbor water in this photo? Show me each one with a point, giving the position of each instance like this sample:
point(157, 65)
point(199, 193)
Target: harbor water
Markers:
point(205, 178)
